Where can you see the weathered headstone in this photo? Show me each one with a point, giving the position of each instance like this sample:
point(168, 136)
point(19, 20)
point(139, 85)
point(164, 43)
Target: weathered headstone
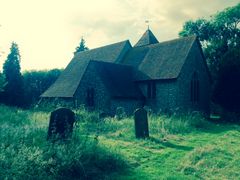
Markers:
point(120, 113)
point(61, 124)
point(141, 123)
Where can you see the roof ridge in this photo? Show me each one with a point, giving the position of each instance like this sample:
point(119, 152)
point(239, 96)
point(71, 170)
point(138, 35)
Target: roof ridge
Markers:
point(193, 37)
point(110, 63)
point(177, 39)
point(81, 52)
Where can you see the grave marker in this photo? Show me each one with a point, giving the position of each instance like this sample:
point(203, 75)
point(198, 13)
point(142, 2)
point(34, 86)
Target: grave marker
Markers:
point(61, 124)
point(141, 123)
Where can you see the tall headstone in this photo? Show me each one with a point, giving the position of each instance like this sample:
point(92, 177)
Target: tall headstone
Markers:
point(141, 123)
point(61, 124)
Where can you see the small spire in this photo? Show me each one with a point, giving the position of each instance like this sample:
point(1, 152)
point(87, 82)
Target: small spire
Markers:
point(147, 39)
point(147, 23)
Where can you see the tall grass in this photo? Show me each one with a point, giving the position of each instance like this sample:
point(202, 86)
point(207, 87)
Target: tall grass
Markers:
point(25, 153)
point(159, 126)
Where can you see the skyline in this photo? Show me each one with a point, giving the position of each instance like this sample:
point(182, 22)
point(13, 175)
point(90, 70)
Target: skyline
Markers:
point(48, 32)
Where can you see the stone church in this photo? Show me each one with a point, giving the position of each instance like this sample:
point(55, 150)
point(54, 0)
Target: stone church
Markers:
point(165, 76)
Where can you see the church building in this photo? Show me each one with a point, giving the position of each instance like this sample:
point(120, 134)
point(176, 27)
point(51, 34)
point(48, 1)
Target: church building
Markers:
point(165, 76)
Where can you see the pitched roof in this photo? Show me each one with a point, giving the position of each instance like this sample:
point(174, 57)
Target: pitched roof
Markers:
point(146, 39)
point(159, 61)
point(68, 81)
point(118, 79)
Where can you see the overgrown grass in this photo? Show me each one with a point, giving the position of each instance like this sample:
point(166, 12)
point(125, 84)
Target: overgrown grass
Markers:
point(179, 147)
point(219, 159)
point(25, 153)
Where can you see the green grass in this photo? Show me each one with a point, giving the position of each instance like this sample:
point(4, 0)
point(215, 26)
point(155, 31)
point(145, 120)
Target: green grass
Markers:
point(183, 147)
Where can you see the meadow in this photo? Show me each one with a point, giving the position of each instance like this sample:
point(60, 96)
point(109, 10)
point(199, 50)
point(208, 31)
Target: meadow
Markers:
point(179, 147)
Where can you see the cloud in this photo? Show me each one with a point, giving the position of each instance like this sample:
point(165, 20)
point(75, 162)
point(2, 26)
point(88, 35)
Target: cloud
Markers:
point(48, 31)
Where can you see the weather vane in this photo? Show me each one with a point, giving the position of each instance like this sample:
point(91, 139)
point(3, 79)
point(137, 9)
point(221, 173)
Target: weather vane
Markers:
point(147, 23)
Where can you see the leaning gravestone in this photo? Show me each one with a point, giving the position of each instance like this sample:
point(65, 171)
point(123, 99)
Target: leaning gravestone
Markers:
point(141, 123)
point(61, 124)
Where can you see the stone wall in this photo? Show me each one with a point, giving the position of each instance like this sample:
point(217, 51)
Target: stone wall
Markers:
point(194, 63)
point(165, 99)
point(91, 79)
point(175, 95)
point(102, 98)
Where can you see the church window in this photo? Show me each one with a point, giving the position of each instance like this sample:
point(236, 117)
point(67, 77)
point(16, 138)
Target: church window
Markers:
point(195, 88)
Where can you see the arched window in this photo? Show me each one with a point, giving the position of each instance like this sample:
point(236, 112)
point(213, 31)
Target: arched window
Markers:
point(151, 90)
point(195, 88)
point(90, 97)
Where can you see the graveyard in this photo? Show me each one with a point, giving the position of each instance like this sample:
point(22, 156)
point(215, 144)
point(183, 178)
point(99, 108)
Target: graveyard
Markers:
point(178, 147)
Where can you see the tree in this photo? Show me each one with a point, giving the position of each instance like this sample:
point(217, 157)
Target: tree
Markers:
point(227, 90)
point(13, 91)
point(220, 39)
point(217, 35)
point(81, 47)
point(2, 82)
point(36, 82)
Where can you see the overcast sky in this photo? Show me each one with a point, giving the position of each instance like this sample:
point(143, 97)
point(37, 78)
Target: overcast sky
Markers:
point(47, 31)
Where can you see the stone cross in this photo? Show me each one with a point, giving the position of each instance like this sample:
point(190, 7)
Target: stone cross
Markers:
point(61, 124)
point(141, 123)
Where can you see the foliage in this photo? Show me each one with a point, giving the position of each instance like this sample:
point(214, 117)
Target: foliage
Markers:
point(23, 90)
point(227, 88)
point(218, 34)
point(13, 91)
point(81, 47)
point(2, 82)
point(36, 82)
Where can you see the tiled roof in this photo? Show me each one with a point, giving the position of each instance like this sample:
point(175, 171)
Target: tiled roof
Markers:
point(159, 61)
point(120, 64)
point(68, 81)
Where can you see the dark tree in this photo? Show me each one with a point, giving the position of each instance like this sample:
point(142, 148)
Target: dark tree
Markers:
point(13, 90)
point(81, 47)
point(2, 82)
point(227, 91)
point(36, 82)
point(217, 35)
point(220, 39)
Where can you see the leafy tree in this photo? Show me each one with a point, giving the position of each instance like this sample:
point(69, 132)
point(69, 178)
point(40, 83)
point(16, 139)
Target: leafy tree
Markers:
point(13, 90)
point(81, 47)
point(36, 82)
point(227, 91)
point(217, 35)
point(220, 39)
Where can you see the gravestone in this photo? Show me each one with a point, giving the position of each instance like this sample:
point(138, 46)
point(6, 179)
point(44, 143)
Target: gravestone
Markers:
point(61, 124)
point(141, 123)
point(120, 113)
